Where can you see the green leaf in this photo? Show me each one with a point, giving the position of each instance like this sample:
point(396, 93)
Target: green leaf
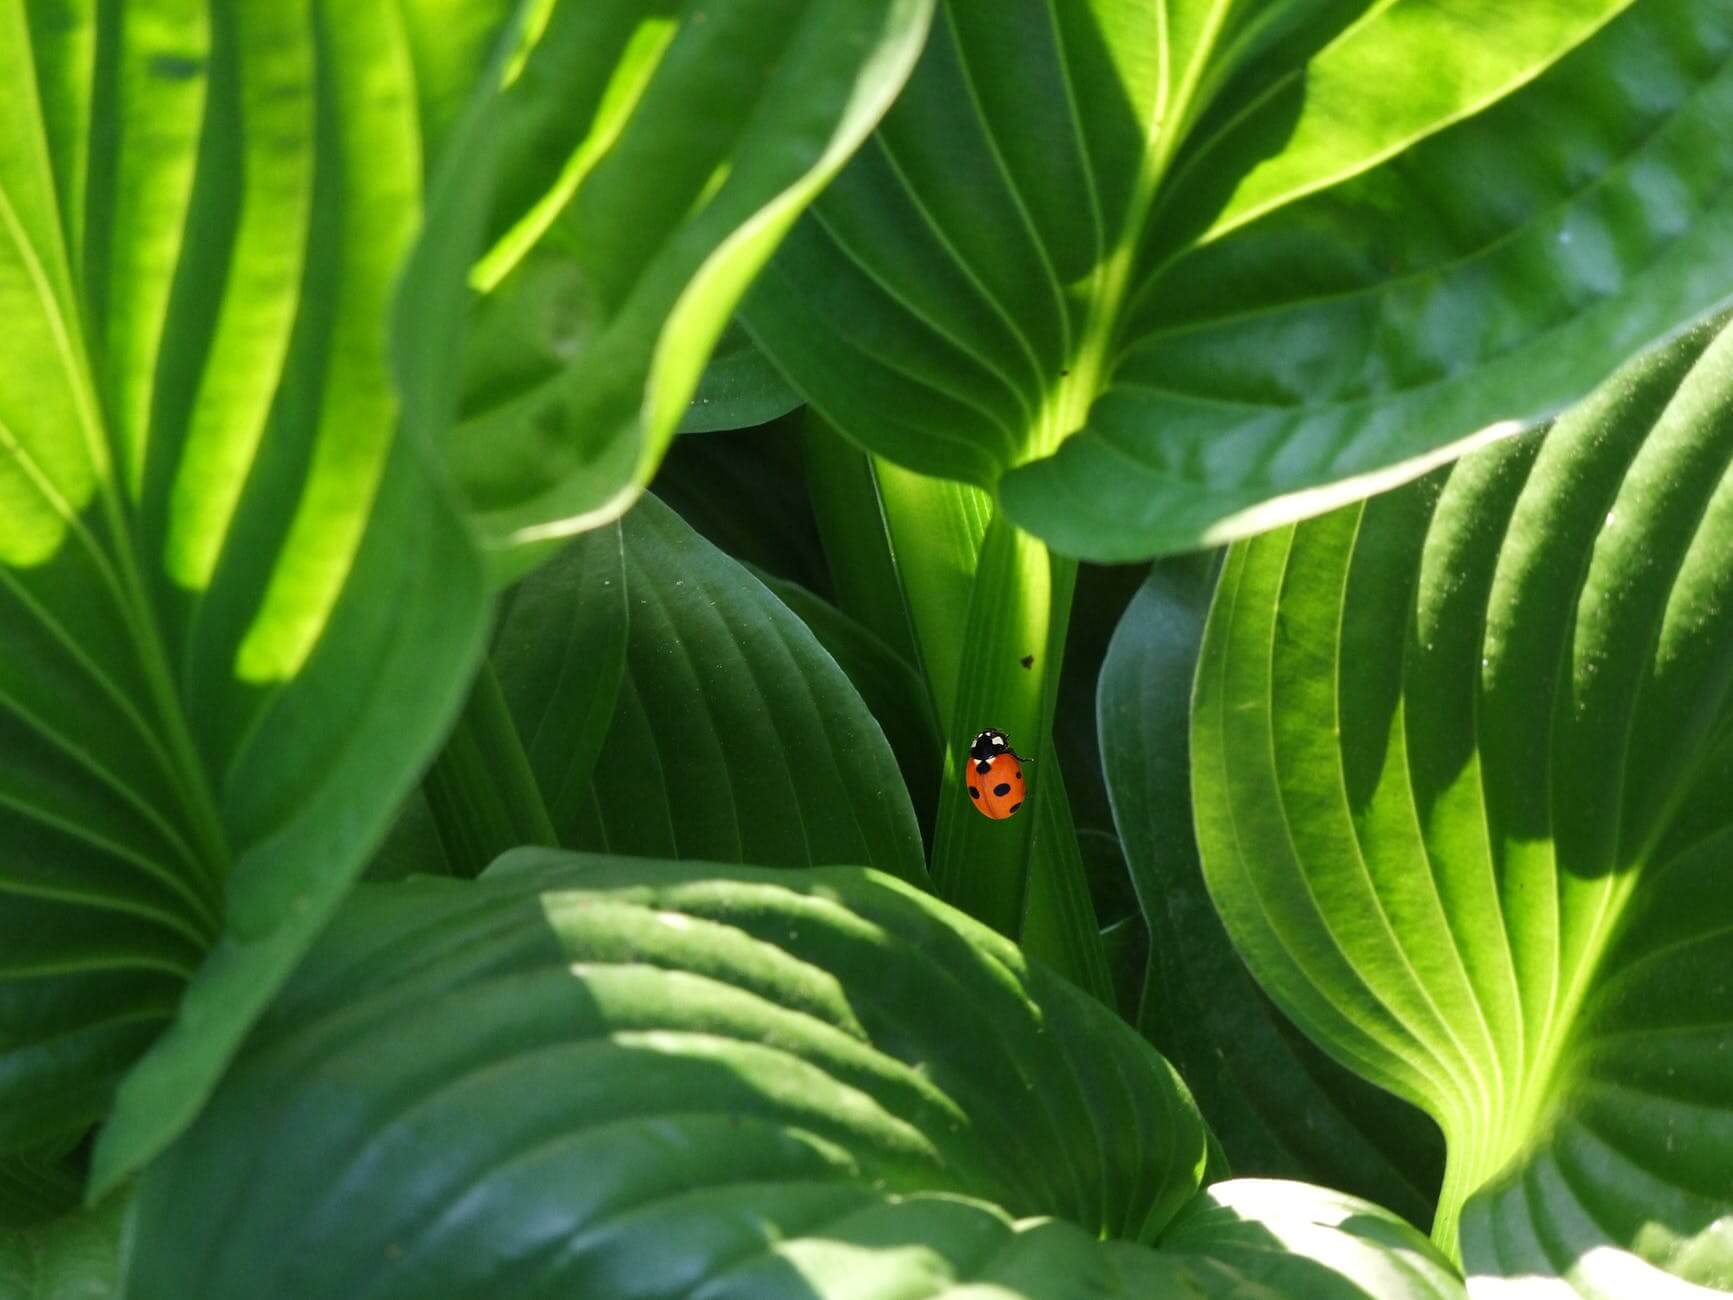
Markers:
point(1309, 1241)
point(756, 1084)
point(888, 686)
point(1461, 763)
point(684, 138)
point(734, 735)
point(559, 656)
point(739, 389)
point(76, 1257)
point(239, 607)
point(860, 555)
point(1161, 275)
point(39, 1183)
point(1281, 1107)
point(746, 492)
point(450, 42)
point(481, 793)
point(985, 608)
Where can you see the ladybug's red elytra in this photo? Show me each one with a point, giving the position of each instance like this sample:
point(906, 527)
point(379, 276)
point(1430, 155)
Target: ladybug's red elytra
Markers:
point(994, 775)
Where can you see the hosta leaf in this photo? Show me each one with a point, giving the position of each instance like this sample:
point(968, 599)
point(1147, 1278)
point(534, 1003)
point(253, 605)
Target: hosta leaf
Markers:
point(1299, 1240)
point(890, 688)
point(1461, 762)
point(860, 555)
point(239, 609)
point(740, 388)
point(39, 1183)
point(734, 736)
point(75, 1257)
point(747, 493)
point(1166, 274)
point(685, 137)
point(1280, 1106)
point(750, 1084)
point(560, 655)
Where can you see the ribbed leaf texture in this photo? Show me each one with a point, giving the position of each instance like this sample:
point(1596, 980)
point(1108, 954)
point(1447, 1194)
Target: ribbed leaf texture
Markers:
point(238, 608)
point(623, 1078)
point(1166, 274)
point(1461, 764)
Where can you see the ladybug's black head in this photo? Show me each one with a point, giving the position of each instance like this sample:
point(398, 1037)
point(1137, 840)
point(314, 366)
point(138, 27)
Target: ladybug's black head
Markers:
point(987, 744)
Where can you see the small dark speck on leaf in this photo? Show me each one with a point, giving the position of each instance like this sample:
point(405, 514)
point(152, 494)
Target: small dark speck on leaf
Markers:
point(176, 67)
point(1064, 373)
point(1028, 661)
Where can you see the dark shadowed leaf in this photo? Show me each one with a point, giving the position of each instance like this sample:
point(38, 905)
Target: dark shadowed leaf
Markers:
point(733, 736)
point(740, 388)
point(889, 687)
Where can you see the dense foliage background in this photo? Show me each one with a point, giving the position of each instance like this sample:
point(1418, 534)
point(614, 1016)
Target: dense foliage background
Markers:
point(511, 513)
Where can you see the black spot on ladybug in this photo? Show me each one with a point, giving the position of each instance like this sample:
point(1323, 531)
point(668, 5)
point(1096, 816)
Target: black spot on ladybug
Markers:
point(983, 767)
point(1018, 773)
point(1002, 789)
point(1017, 805)
point(974, 792)
point(1028, 661)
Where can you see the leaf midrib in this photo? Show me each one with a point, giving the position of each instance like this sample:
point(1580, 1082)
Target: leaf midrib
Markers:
point(1091, 370)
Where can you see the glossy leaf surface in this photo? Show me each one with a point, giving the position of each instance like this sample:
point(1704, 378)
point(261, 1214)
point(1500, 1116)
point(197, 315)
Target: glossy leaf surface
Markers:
point(753, 1084)
point(1161, 275)
point(239, 608)
point(683, 138)
point(1483, 861)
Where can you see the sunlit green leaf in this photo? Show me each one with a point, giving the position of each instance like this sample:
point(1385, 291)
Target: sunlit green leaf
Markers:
point(1161, 275)
point(1461, 769)
point(682, 139)
point(239, 607)
point(1280, 1106)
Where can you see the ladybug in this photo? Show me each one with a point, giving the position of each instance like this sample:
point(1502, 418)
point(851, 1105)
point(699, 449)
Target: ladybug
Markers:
point(994, 775)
